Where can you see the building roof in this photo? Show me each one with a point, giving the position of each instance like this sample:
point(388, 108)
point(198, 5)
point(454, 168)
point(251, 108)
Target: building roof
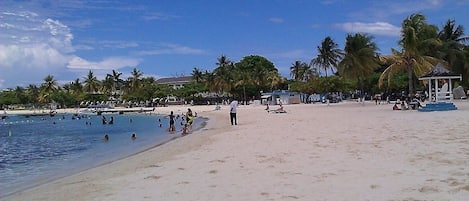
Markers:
point(440, 72)
point(168, 80)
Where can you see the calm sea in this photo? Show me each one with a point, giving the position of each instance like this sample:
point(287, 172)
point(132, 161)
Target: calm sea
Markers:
point(38, 149)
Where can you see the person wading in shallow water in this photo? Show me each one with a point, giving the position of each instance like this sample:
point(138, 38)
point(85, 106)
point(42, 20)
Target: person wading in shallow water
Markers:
point(172, 128)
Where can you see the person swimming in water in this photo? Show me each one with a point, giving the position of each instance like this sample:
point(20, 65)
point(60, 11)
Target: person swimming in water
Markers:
point(133, 136)
point(106, 138)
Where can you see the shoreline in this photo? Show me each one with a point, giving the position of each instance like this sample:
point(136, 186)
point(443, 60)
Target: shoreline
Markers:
point(390, 155)
point(42, 182)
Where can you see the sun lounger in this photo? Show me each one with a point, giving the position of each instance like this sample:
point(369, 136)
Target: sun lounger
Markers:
point(276, 111)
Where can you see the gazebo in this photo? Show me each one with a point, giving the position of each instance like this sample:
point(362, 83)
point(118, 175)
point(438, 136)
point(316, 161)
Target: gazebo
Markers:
point(440, 73)
point(440, 76)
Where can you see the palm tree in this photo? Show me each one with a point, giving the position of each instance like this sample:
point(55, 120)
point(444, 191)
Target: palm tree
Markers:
point(307, 72)
point(451, 32)
point(274, 78)
point(360, 58)
point(209, 78)
point(107, 85)
point(20, 93)
point(223, 61)
point(32, 92)
point(328, 56)
point(47, 88)
point(415, 34)
point(76, 87)
point(135, 80)
point(295, 70)
point(92, 83)
point(452, 48)
point(224, 77)
point(116, 80)
point(197, 75)
point(242, 78)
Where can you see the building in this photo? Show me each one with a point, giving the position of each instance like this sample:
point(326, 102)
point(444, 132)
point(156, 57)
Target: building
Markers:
point(280, 96)
point(175, 82)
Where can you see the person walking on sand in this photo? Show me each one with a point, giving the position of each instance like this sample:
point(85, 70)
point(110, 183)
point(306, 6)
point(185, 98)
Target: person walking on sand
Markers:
point(233, 106)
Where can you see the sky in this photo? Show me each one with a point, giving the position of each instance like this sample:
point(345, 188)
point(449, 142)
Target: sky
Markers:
point(167, 38)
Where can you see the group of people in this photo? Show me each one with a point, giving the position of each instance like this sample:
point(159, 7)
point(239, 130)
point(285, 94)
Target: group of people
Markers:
point(188, 117)
point(111, 121)
point(406, 105)
point(133, 136)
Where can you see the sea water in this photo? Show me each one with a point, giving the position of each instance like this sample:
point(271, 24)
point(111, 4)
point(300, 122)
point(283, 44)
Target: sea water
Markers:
point(39, 149)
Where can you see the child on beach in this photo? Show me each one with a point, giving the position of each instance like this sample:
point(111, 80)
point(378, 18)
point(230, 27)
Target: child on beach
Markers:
point(185, 129)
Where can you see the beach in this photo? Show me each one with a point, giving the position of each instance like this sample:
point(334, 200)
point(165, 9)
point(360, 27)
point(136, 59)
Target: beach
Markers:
point(344, 151)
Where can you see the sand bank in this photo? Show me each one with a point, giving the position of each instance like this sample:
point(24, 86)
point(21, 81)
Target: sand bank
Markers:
point(344, 151)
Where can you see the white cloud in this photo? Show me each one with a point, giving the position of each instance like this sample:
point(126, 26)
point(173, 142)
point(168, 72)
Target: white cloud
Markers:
point(173, 49)
point(292, 54)
point(376, 28)
point(158, 16)
point(106, 64)
point(31, 47)
point(276, 20)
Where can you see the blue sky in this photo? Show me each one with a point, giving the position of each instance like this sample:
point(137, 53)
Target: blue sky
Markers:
point(165, 38)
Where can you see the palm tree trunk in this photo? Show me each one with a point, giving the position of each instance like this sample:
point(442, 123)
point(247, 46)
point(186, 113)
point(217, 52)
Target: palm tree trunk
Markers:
point(411, 82)
point(362, 88)
point(244, 94)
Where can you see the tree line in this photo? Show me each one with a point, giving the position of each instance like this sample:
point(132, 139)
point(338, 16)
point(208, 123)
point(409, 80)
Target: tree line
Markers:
point(357, 66)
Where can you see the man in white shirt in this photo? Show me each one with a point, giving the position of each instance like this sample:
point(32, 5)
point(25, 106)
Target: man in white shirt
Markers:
point(233, 106)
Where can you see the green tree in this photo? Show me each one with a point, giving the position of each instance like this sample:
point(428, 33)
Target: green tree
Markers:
point(92, 84)
point(415, 34)
point(134, 81)
point(258, 68)
point(223, 75)
point(48, 88)
point(360, 58)
point(328, 56)
point(295, 70)
point(32, 92)
point(453, 50)
point(197, 75)
point(301, 71)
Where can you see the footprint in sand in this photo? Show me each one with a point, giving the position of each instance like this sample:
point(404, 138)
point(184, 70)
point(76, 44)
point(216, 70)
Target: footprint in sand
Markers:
point(428, 189)
point(217, 161)
point(213, 171)
point(153, 177)
point(184, 182)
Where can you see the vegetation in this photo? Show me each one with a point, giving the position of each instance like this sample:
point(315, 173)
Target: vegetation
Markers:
point(357, 66)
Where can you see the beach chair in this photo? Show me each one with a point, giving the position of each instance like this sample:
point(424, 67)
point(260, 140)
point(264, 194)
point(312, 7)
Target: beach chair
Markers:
point(443, 93)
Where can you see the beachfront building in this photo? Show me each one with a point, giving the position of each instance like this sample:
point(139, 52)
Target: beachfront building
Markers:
point(175, 82)
point(280, 96)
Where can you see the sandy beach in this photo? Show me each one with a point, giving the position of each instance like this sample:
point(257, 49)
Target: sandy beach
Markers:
point(344, 151)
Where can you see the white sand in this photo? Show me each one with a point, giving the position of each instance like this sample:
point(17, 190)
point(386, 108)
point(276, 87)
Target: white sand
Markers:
point(344, 151)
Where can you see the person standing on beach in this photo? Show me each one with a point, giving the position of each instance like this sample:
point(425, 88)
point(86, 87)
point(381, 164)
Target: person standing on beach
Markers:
point(233, 106)
point(189, 117)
